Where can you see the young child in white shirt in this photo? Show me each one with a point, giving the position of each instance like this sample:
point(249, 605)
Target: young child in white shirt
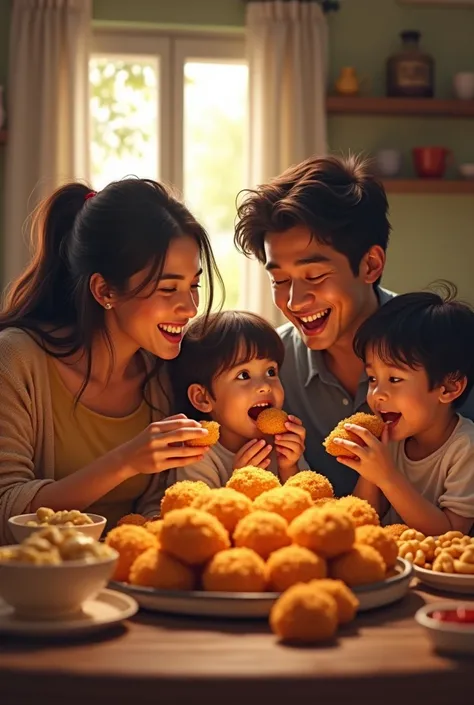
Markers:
point(418, 351)
point(228, 371)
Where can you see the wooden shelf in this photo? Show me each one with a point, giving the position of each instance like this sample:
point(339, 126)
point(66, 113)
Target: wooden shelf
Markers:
point(427, 186)
point(3, 136)
point(370, 105)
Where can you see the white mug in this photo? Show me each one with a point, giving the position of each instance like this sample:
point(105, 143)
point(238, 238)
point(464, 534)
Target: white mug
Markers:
point(463, 83)
point(388, 162)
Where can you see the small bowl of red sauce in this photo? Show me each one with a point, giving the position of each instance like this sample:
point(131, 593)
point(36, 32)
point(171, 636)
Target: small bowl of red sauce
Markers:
point(449, 625)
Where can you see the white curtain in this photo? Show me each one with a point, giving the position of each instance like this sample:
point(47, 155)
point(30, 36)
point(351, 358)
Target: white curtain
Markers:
point(287, 57)
point(48, 111)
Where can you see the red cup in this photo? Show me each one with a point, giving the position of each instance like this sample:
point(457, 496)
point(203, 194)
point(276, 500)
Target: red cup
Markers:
point(430, 162)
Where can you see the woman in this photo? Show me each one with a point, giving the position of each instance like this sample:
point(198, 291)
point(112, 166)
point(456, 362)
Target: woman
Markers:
point(84, 336)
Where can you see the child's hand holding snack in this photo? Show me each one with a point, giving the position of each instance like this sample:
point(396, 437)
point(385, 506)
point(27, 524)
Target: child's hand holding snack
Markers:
point(254, 453)
point(370, 457)
point(290, 447)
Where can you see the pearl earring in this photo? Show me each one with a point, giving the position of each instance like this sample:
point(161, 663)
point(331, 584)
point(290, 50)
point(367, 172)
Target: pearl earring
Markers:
point(108, 306)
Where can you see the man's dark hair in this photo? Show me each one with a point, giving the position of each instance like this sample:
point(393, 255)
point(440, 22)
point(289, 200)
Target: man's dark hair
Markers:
point(339, 200)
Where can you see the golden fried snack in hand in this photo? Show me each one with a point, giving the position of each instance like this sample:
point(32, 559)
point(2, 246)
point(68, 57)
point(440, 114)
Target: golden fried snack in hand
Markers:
point(157, 569)
point(226, 504)
point(316, 484)
point(209, 439)
point(327, 531)
point(272, 421)
point(288, 502)
point(263, 532)
point(252, 481)
point(192, 536)
point(347, 602)
point(372, 423)
point(291, 565)
point(376, 537)
point(235, 570)
point(182, 494)
point(360, 566)
point(304, 614)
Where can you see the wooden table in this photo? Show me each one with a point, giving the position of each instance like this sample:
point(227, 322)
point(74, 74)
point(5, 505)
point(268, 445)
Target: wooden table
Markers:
point(383, 658)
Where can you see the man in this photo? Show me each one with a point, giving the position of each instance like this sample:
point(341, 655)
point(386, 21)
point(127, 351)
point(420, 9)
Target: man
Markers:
point(321, 229)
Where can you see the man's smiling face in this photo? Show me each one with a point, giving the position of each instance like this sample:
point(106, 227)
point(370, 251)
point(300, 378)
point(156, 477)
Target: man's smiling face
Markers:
point(315, 287)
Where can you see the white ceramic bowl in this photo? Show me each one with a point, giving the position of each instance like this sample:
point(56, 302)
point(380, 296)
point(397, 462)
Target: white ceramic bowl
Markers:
point(20, 531)
point(447, 637)
point(53, 591)
point(467, 170)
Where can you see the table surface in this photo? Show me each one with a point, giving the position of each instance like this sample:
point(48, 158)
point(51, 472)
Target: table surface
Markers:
point(383, 657)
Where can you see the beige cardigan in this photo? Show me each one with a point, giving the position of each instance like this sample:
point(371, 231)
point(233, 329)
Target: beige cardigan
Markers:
point(27, 430)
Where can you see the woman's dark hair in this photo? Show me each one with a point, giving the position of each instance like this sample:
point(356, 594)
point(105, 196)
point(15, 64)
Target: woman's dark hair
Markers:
point(424, 330)
point(210, 347)
point(124, 228)
point(339, 200)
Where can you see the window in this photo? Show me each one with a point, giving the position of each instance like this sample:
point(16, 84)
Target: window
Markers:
point(174, 108)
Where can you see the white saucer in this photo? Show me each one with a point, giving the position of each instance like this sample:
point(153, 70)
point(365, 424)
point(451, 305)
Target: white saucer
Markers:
point(107, 608)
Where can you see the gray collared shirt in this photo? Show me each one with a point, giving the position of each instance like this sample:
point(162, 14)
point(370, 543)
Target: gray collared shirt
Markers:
point(314, 395)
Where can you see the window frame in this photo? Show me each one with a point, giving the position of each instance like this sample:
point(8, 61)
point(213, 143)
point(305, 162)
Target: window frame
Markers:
point(172, 48)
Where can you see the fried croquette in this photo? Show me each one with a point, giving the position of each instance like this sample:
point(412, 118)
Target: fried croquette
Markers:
point(264, 532)
point(154, 527)
point(316, 484)
point(372, 423)
point(182, 494)
point(360, 566)
point(325, 531)
point(288, 502)
point(227, 505)
point(291, 565)
point(360, 511)
point(130, 542)
point(324, 502)
point(159, 570)
point(193, 536)
point(235, 570)
point(304, 614)
point(252, 481)
point(376, 537)
point(133, 519)
point(207, 439)
point(347, 602)
point(272, 421)
point(395, 530)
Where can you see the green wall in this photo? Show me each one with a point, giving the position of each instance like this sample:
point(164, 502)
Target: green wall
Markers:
point(433, 236)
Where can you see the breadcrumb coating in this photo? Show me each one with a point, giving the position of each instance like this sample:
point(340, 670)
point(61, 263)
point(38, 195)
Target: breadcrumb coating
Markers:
point(372, 423)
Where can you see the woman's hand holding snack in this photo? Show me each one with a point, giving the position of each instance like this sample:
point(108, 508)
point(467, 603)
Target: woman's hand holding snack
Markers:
point(161, 446)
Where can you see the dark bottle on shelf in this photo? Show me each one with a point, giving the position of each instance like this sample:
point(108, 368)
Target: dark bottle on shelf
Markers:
point(410, 72)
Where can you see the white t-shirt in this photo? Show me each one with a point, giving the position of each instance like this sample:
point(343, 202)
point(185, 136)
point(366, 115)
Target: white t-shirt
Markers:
point(446, 477)
point(216, 468)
